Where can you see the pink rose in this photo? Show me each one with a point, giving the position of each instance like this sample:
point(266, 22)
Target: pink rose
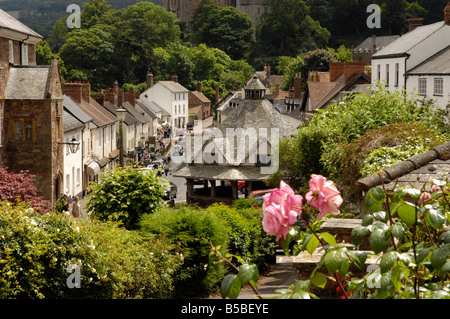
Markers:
point(280, 210)
point(324, 196)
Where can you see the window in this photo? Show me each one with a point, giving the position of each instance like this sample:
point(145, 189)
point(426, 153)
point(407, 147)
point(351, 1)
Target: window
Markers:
point(397, 74)
point(25, 130)
point(387, 74)
point(438, 86)
point(422, 86)
point(379, 72)
point(11, 52)
point(78, 176)
point(24, 54)
point(67, 183)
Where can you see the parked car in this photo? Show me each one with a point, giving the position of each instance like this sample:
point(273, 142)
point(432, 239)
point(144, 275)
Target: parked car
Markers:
point(177, 150)
point(241, 186)
point(258, 194)
point(171, 191)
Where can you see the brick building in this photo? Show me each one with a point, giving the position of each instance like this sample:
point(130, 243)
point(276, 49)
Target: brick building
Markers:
point(31, 109)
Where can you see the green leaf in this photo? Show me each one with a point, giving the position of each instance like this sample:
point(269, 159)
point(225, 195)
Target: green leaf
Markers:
point(300, 295)
point(330, 239)
point(333, 260)
point(358, 234)
point(436, 218)
point(248, 272)
point(398, 231)
point(230, 287)
point(313, 243)
point(439, 256)
point(445, 236)
point(378, 240)
point(319, 280)
point(377, 194)
point(285, 244)
point(407, 213)
point(381, 216)
point(359, 257)
point(343, 270)
point(446, 267)
point(413, 193)
point(423, 254)
point(302, 285)
point(388, 260)
point(367, 220)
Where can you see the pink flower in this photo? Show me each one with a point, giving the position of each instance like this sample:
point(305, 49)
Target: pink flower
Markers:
point(324, 196)
point(424, 197)
point(280, 210)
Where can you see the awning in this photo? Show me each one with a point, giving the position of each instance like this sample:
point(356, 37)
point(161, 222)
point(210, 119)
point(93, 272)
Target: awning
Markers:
point(93, 168)
point(103, 161)
point(114, 154)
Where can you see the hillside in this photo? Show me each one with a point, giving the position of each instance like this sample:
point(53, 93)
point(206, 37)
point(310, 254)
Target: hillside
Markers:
point(41, 15)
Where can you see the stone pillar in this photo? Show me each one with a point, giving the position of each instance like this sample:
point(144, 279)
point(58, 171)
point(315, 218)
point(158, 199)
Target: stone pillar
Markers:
point(213, 188)
point(189, 189)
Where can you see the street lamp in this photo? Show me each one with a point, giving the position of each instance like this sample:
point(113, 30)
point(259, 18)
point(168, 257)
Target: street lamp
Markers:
point(120, 113)
point(74, 145)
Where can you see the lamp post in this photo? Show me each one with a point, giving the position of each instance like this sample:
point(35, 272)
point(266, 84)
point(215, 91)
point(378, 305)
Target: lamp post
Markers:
point(121, 117)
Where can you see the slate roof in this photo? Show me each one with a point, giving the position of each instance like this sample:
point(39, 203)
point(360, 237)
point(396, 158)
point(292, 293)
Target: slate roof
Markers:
point(414, 172)
point(99, 117)
point(27, 83)
point(200, 96)
point(71, 122)
point(138, 116)
point(72, 107)
point(380, 43)
point(438, 64)
point(409, 40)
point(146, 108)
point(174, 87)
point(111, 108)
point(9, 22)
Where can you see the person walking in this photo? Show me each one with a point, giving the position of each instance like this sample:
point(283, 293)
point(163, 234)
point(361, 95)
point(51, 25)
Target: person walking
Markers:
point(166, 168)
point(76, 208)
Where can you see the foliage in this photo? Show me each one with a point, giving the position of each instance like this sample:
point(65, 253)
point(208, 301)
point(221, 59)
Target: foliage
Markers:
point(384, 141)
point(19, 187)
point(246, 236)
point(288, 29)
point(317, 144)
point(125, 194)
point(191, 230)
point(39, 253)
point(225, 28)
point(407, 230)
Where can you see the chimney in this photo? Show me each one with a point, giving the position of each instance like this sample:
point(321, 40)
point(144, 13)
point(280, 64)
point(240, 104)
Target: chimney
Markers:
point(447, 14)
point(277, 90)
point(86, 91)
point(297, 85)
point(149, 79)
point(174, 78)
point(116, 87)
point(99, 97)
point(373, 44)
point(110, 96)
point(267, 69)
point(130, 97)
point(199, 87)
point(74, 90)
point(120, 98)
point(414, 23)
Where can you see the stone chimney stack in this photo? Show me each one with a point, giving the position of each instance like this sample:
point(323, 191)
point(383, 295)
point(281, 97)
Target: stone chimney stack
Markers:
point(99, 97)
point(86, 91)
point(74, 90)
point(373, 44)
point(110, 96)
point(297, 85)
point(174, 78)
point(149, 79)
point(116, 87)
point(200, 87)
point(447, 14)
point(120, 98)
point(414, 23)
point(130, 97)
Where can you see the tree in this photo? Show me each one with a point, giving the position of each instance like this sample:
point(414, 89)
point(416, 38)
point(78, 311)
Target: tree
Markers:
point(287, 29)
point(125, 194)
point(19, 187)
point(225, 28)
point(93, 11)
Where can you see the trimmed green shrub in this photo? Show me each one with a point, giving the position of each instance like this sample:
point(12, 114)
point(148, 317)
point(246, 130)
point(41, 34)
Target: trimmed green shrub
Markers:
point(125, 194)
point(39, 254)
point(193, 231)
point(246, 236)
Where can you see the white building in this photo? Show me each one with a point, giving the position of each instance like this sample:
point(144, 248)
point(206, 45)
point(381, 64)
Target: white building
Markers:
point(390, 66)
point(431, 79)
point(172, 97)
point(73, 162)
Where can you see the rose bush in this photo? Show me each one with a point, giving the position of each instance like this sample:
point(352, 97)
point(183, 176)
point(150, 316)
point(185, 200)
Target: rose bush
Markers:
point(407, 229)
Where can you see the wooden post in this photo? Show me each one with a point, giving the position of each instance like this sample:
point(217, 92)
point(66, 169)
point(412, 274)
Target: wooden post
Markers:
point(189, 189)
point(234, 189)
point(213, 188)
point(248, 188)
